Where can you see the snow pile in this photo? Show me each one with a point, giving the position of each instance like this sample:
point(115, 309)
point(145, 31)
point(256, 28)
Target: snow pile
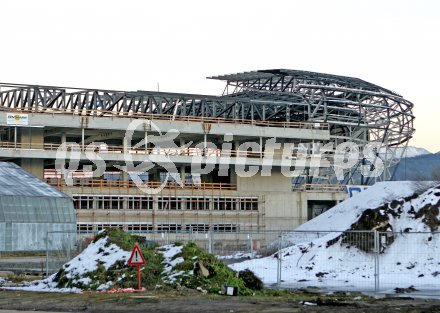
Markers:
point(79, 273)
point(171, 260)
point(102, 266)
point(348, 259)
point(239, 255)
point(347, 212)
point(96, 254)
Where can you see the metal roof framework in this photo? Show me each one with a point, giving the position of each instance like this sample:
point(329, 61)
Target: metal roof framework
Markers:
point(356, 110)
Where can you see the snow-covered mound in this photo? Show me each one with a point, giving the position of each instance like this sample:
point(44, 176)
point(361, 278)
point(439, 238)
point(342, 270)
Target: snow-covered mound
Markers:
point(103, 266)
point(344, 214)
point(171, 260)
point(347, 259)
point(80, 272)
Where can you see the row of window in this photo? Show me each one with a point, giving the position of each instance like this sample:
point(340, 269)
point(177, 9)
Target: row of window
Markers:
point(140, 228)
point(83, 202)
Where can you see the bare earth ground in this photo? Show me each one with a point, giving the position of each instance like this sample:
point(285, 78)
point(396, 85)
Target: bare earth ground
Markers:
point(189, 301)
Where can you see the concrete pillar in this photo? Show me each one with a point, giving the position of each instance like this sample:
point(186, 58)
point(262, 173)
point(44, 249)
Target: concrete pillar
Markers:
point(124, 176)
point(82, 138)
point(30, 136)
point(125, 144)
point(63, 141)
point(182, 168)
point(146, 141)
point(182, 174)
point(33, 166)
point(232, 175)
point(236, 145)
point(34, 138)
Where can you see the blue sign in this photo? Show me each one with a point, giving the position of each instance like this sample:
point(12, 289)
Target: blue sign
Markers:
point(354, 190)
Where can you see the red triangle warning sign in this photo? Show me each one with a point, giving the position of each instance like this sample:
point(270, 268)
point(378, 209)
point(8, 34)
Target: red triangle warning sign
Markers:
point(136, 257)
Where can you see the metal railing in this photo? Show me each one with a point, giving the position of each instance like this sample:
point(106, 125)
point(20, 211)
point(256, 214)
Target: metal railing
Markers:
point(170, 117)
point(106, 149)
point(320, 187)
point(122, 184)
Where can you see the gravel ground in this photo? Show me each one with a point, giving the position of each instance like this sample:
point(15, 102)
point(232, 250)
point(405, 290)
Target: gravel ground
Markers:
point(190, 301)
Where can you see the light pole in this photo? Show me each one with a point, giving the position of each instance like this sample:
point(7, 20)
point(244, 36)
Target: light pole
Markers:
point(206, 129)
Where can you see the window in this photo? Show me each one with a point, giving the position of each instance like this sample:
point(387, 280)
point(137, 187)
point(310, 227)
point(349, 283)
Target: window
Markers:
point(196, 227)
point(197, 203)
point(116, 203)
point(83, 202)
point(224, 204)
point(249, 204)
point(134, 203)
point(101, 204)
point(107, 226)
point(224, 227)
point(169, 227)
point(138, 228)
point(84, 228)
point(169, 203)
point(146, 203)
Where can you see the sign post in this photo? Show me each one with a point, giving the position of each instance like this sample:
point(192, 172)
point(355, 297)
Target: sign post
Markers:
point(137, 259)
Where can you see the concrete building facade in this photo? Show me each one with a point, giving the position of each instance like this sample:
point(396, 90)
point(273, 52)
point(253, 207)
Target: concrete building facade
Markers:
point(109, 150)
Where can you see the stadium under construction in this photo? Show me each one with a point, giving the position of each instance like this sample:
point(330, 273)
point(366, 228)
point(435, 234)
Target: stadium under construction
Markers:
point(258, 114)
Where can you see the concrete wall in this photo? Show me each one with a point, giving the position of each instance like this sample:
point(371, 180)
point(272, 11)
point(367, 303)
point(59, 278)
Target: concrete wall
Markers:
point(283, 209)
point(32, 138)
point(276, 182)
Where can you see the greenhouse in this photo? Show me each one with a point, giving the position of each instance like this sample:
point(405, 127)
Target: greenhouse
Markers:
point(33, 214)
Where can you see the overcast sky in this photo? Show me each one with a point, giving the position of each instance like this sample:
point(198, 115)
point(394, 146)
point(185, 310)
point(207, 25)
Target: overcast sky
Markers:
point(136, 44)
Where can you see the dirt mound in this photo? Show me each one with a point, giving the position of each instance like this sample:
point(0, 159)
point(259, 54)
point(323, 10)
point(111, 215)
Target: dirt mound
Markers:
point(103, 266)
point(408, 243)
point(421, 210)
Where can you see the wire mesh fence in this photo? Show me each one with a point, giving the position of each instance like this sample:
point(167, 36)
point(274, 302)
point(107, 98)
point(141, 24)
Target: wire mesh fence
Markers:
point(409, 261)
point(61, 246)
point(374, 261)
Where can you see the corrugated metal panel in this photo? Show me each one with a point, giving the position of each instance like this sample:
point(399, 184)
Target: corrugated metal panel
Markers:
point(2, 236)
point(36, 209)
point(16, 181)
point(30, 209)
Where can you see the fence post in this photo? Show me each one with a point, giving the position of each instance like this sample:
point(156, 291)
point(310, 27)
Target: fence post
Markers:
point(209, 242)
point(68, 247)
point(251, 248)
point(47, 254)
point(376, 261)
point(280, 237)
